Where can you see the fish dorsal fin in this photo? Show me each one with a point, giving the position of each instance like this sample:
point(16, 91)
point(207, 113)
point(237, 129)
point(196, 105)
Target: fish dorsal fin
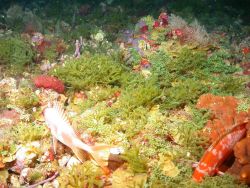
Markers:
point(61, 112)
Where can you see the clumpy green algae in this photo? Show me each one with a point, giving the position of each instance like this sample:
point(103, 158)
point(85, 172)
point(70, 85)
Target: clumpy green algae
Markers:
point(15, 53)
point(153, 118)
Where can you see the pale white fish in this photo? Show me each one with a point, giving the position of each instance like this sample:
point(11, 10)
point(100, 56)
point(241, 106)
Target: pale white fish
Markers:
point(61, 130)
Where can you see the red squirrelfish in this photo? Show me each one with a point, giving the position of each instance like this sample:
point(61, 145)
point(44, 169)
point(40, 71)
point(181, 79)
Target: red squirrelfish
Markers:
point(216, 154)
point(62, 130)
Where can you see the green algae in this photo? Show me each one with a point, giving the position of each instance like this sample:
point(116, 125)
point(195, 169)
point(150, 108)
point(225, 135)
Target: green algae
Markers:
point(25, 98)
point(140, 95)
point(183, 93)
point(178, 78)
point(15, 54)
point(136, 162)
point(27, 132)
point(90, 71)
point(157, 179)
point(86, 174)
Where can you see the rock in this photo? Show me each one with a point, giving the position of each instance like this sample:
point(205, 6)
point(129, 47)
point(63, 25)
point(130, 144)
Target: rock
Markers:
point(64, 160)
point(73, 161)
point(14, 181)
point(25, 173)
point(45, 66)
point(114, 162)
point(9, 118)
point(3, 177)
point(3, 185)
point(8, 83)
point(28, 154)
point(84, 10)
point(55, 184)
point(48, 185)
point(31, 176)
point(45, 157)
point(245, 174)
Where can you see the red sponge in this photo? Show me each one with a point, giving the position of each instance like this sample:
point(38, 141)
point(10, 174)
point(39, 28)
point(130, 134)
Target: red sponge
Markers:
point(49, 82)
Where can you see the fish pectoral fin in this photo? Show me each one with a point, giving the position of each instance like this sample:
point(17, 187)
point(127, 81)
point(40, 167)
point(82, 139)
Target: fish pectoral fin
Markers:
point(80, 154)
point(55, 144)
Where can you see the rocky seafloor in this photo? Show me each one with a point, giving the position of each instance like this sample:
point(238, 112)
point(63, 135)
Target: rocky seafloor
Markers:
point(170, 93)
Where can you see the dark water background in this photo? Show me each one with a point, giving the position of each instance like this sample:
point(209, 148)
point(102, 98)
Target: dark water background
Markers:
point(215, 8)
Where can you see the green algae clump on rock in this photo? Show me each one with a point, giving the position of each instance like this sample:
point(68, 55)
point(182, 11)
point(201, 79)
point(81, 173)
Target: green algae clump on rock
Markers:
point(90, 71)
point(15, 53)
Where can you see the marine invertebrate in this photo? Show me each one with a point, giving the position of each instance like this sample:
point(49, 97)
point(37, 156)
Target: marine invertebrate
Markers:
point(78, 47)
point(197, 33)
point(224, 114)
point(42, 45)
point(163, 18)
point(49, 82)
point(178, 32)
point(156, 24)
point(242, 151)
point(246, 68)
point(143, 27)
point(145, 63)
point(245, 50)
point(241, 166)
point(193, 33)
point(176, 22)
point(60, 47)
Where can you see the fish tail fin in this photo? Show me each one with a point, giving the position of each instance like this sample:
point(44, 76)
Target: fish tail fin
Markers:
point(80, 154)
point(197, 177)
